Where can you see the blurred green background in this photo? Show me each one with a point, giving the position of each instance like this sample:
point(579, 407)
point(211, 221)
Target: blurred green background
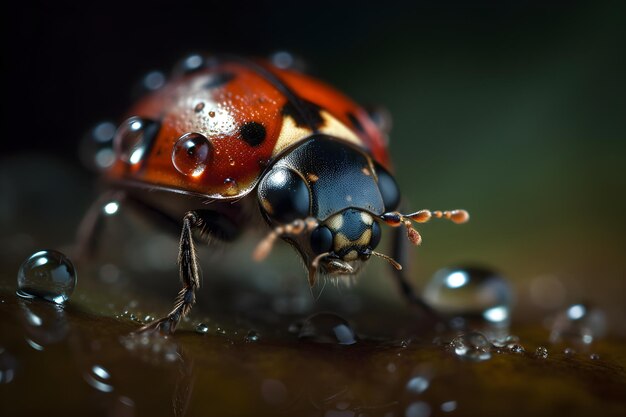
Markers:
point(514, 111)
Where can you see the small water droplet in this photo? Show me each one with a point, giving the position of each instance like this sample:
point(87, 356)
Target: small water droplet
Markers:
point(47, 274)
point(189, 64)
point(417, 384)
point(515, 348)
point(418, 409)
point(99, 378)
point(133, 138)
point(274, 392)
point(153, 80)
point(282, 59)
point(448, 406)
point(232, 188)
point(211, 113)
point(219, 331)
point(191, 154)
point(202, 328)
point(579, 323)
point(569, 352)
point(541, 352)
point(594, 356)
point(252, 336)
point(472, 346)
point(327, 328)
point(471, 293)
point(103, 132)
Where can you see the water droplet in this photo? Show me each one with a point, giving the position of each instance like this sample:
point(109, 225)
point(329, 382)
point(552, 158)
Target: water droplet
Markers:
point(133, 138)
point(189, 64)
point(202, 328)
point(472, 346)
point(153, 80)
point(191, 154)
point(594, 356)
point(417, 384)
point(471, 293)
point(515, 348)
point(541, 352)
point(579, 323)
point(211, 113)
point(199, 107)
point(232, 188)
point(418, 409)
point(8, 366)
point(252, 336)
point(111, 208)
point(47, 274)
point(282, 59)
point(99, 378)
point(569, 352)
point(103, 132)
point(273, 391)
point(327, 328)
point(448, 406)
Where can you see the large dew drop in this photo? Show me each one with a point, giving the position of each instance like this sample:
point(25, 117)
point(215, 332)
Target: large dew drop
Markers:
point(579, 323)
point(47, 274)
point(470, 293)
point(472, 346)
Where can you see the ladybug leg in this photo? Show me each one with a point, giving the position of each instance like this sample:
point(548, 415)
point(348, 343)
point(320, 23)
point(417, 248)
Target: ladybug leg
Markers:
point(90, 228)
point(189, 276)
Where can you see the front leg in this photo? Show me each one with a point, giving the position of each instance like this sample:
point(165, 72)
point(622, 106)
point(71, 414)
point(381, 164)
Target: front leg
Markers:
point(189, 276)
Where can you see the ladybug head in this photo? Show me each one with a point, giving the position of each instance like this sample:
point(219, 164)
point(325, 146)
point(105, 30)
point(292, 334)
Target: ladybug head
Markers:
point(326, 198)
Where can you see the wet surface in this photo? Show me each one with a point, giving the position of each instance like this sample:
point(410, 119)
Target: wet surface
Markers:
point(67, 360)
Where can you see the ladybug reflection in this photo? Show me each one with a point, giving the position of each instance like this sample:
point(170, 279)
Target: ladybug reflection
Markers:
point(230, 143)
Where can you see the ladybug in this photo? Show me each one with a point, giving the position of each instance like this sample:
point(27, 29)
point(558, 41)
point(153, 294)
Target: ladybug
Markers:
point(230, 143)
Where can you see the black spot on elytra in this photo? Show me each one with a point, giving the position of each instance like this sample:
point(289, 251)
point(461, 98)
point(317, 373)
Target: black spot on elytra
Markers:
point(219, 79)
point(253, 133)
point(305, 114)
point(355, 122)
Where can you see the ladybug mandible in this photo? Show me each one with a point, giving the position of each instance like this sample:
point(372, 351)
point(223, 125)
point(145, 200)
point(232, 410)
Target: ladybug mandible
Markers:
point(231, 143)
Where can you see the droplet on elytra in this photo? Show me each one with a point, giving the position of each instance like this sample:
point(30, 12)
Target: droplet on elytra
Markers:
point(252, 336)
point(231, 187)
point(541, 352)
point(47, 274)
point(133, 138)
point(327, 328)
point(202, 328)
point(470, 293)
point(191, 154)
point(472, 346)
point(579, 323)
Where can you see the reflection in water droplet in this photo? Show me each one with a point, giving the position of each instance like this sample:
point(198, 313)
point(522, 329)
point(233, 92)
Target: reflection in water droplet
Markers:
point(418, 409)
point(448, 406)
point(541, 352)
point(470, 293)
point(327, 328)
point(99, 378)
point(252, 336)
point(579, 323)
point(472, 346)
point(8, 366)
point(202, 328)
point(273, 391)
point(133, 138)
point(515, 348)
point(191, 154)
point(47, 274)
point(111, 208)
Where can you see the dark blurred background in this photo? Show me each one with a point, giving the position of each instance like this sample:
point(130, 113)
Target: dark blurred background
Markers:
point(514, 111)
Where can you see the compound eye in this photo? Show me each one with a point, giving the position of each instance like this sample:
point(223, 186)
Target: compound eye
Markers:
point(375, 239)
point(284, 195)
point(321, 240)
point(388, 189)
point(191, 154)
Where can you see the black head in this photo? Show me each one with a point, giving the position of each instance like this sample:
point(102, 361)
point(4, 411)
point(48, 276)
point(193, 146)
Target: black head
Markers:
point(325, 197)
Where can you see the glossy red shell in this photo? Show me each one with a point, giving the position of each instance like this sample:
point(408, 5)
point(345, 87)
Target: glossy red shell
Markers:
point(216, 102)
